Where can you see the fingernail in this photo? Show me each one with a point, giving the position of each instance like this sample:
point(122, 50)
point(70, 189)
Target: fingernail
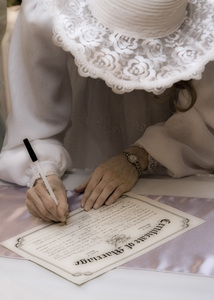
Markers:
point(62, 219)
point(87, 208)
point(96, 206)
point(63, 223)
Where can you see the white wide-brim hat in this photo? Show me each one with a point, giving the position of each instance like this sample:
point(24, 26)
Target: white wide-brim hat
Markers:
point(126, 63)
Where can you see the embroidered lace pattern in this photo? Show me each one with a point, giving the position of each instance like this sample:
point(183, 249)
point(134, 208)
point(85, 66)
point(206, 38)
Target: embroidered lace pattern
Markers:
point(128, 63)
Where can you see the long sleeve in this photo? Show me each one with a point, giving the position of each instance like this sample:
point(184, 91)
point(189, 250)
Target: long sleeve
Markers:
point(40, 94)
point(184, 144)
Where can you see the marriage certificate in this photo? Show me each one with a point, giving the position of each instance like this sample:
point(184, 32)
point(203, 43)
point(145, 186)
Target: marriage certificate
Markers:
point(97, 241)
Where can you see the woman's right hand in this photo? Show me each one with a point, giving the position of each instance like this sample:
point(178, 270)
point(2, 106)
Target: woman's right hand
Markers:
point(41, 205)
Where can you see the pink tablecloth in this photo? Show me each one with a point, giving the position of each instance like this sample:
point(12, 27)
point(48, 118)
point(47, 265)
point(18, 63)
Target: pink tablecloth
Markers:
point(190, 253)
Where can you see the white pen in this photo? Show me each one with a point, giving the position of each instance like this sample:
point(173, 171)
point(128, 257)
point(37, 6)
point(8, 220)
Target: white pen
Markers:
point(41, 173)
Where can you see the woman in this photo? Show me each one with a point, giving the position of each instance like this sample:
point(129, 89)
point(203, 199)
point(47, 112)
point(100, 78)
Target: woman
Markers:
point(120, 97)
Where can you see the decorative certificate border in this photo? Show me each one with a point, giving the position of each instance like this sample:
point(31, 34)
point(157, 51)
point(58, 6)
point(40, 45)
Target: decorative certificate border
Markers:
point(122, 246)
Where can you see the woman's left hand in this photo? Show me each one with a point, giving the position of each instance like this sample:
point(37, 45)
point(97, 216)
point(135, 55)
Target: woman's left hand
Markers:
point(110, 180)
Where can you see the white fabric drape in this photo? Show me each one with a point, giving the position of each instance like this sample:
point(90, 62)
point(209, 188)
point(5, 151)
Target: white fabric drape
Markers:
point(47, 93)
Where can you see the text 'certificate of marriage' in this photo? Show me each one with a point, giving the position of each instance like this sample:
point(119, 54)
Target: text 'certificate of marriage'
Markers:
point(96, 241)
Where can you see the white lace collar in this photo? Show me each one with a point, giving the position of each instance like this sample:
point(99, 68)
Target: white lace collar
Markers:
point(126, 63)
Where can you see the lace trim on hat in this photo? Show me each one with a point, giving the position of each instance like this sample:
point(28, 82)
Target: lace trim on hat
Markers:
point(126, 63)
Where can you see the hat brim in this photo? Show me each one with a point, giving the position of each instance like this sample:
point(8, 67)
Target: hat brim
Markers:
point(126, 63)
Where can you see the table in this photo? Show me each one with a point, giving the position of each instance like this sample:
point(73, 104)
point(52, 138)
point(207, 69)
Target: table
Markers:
point(21, 279)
